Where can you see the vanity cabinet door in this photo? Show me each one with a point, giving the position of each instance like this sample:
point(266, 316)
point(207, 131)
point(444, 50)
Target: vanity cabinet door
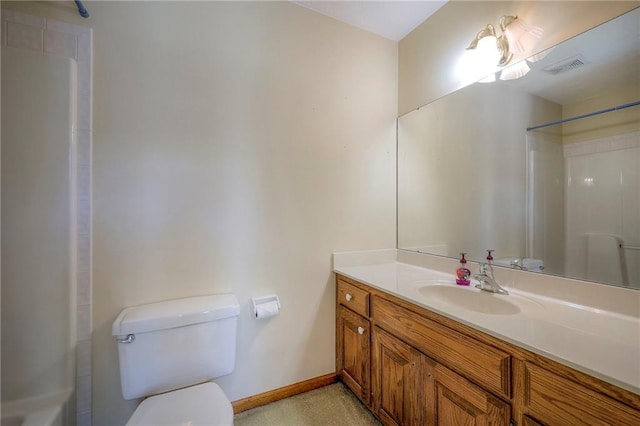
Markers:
point(353, 345)
point(397, 380)
point(456, 401)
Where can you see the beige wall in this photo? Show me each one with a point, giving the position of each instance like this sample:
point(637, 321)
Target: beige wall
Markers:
point(429, 54)
point(609, 124)
point(236, 145)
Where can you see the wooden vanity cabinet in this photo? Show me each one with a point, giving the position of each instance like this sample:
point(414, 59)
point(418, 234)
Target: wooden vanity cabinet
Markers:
point(528, 421)
point(552, 400)
point(410, 388)
point(473, 359)
point(353, 339)
point(411, 366)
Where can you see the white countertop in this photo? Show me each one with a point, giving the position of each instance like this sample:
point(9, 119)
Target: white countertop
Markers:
point(601, 343)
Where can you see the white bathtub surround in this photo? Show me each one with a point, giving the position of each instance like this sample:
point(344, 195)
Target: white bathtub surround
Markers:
point(45, 410)
point(593, 328)
point(51, 37)
point(38, 250)
point(602, 187)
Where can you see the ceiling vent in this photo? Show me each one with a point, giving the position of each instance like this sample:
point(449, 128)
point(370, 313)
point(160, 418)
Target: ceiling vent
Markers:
point(566, 65)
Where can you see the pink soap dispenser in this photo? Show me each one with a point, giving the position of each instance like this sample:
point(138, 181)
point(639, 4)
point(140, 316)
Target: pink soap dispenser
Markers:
point(462, 273)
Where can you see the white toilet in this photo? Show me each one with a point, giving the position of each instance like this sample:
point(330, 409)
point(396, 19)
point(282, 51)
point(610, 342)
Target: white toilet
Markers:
point(170, 351)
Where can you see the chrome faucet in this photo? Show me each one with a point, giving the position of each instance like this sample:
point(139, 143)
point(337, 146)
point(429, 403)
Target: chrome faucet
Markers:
point(518, 264)
point(488, 281)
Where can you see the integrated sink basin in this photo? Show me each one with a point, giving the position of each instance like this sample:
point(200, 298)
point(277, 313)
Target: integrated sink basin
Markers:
point(469, 299)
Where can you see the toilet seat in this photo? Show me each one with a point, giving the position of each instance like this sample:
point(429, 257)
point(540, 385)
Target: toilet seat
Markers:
point(203, 404)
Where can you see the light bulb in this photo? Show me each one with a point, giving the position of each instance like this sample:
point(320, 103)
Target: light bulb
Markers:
point(488, 53)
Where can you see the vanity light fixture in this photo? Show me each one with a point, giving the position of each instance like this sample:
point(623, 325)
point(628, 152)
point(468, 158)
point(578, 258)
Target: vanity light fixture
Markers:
point(514, 71)
point(491, 46)
point(493, 50)
point(522, 37)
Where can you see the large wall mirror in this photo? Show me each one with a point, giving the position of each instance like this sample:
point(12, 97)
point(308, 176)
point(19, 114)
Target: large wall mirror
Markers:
point(486, 168)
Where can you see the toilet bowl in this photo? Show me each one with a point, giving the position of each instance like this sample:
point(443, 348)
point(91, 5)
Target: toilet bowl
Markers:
point(170, 352)
point(203, 404)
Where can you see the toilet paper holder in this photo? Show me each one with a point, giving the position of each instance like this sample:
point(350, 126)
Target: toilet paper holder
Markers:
point(265, 306)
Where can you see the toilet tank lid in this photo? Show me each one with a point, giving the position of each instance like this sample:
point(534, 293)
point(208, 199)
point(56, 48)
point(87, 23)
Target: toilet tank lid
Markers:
point(175, 313)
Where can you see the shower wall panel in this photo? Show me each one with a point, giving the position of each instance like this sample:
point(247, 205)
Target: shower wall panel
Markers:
point(38, 211)
point(603, 209)
point(51, 37)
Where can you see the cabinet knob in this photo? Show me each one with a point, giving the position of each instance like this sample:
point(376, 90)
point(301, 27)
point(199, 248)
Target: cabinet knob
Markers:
point(360, 330)
point(348, 297)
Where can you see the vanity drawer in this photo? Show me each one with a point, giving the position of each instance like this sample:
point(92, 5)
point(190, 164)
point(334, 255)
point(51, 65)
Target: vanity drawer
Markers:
point(353, 298)
point(552, 399)
point(487, 366)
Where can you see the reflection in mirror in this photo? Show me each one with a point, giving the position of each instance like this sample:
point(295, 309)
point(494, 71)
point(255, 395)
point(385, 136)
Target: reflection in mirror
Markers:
point(486, 167)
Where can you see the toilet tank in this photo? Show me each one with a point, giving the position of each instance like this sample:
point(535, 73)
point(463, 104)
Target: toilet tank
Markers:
point(169, 345)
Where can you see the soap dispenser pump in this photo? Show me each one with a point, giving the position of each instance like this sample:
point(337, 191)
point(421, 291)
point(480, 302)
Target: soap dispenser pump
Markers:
point(463, 273)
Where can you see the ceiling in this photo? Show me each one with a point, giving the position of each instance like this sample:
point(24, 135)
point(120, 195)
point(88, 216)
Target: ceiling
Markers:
point(610, 52)
point(389, 19)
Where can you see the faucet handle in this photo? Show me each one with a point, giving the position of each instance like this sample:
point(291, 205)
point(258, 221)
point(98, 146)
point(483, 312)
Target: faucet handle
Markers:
point(489, 255)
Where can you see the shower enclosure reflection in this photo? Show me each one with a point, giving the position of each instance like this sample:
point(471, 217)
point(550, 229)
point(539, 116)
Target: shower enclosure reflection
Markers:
point(597, 182)
point(471, 177)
